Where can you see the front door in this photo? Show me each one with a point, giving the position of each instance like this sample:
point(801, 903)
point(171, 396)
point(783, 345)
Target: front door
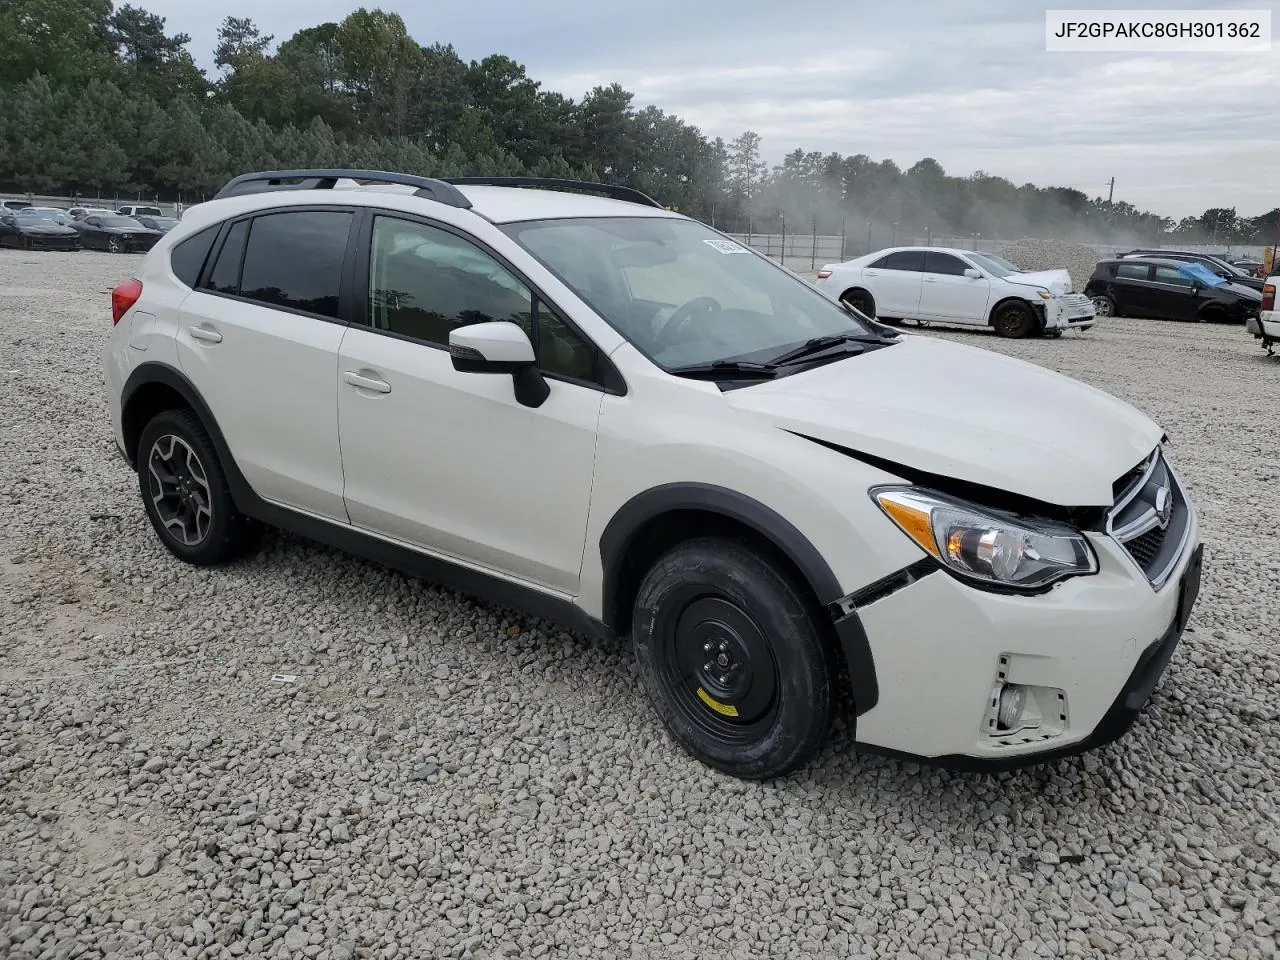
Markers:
point(947, 294)
point(1174, 294)
point(452, 462)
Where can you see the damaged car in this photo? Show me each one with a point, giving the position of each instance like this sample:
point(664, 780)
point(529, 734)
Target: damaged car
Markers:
point(564, 398)
point(958, 287)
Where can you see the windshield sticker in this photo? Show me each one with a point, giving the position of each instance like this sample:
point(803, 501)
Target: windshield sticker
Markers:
point(725, 246)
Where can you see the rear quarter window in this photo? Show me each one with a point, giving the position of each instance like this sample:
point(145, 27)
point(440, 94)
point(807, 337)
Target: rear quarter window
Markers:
point(187, 258)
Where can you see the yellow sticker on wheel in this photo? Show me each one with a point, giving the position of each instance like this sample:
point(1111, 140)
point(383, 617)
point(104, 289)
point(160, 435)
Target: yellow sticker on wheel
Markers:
point(724, 709)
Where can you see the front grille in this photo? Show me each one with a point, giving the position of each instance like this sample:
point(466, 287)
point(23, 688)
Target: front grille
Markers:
point(1151, 518)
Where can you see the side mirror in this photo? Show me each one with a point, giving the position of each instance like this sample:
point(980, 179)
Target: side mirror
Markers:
point(500, 346)
point(973, 274)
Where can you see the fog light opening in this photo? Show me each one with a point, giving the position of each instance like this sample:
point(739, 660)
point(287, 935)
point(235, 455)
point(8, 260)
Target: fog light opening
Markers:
point(1013, 700)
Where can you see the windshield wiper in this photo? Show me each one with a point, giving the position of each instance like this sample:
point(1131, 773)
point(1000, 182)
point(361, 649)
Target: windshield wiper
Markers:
point(720, 368)
point(818, 344)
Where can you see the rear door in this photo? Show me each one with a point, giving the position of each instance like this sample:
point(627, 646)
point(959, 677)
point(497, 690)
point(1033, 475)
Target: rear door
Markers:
point(259, 339)
point(895, 281)
point(947, 294)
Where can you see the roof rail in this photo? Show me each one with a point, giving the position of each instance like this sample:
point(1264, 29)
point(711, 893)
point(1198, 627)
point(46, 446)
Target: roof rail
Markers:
point(270, 180)
point(612, 190)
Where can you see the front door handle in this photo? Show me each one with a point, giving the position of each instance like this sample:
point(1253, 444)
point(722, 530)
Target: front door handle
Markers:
point(366, 383)
point(930, 279)
point(207, 334)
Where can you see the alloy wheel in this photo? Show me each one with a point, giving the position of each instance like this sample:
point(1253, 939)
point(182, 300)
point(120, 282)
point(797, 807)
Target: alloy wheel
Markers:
point(113, 244)
point(1102, 306)
point(179, 490)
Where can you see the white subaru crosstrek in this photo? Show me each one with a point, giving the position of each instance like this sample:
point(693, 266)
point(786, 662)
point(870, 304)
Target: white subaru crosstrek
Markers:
point(958, 287)
point(617, 418)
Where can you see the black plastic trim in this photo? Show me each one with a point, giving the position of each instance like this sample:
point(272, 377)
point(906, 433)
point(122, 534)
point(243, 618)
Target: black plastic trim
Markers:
point(325, 179)
point(410, 561)
point(1118, 719)
point(631, 517)
point(885, 586)
point(611, 190)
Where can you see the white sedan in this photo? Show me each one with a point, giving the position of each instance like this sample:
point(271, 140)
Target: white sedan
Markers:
point(940, 285)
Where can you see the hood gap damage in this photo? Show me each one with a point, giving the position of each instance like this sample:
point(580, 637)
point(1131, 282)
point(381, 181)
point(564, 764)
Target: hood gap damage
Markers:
point(1084, 518)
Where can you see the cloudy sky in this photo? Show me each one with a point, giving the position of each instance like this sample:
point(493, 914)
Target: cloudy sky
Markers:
point(968, 84)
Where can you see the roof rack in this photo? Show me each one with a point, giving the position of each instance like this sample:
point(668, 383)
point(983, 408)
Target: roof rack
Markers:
point(270, 180)
point(612, 190)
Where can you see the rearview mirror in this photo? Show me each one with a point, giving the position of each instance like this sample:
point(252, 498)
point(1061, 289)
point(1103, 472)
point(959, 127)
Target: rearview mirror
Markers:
point(500, 346)
point(973, 274)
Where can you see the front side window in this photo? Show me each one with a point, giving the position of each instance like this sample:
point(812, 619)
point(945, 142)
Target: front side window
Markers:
point(909, 260)
point(295, 259)
point(944, 263)
point(122, 223)
point(679, 291)
point(425, 282)
point(1173, 275)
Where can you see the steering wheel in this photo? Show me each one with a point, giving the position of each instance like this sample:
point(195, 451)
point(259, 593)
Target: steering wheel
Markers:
point(679, 320)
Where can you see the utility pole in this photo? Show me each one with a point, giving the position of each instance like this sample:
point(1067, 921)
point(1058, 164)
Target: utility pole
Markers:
point(1111, 190)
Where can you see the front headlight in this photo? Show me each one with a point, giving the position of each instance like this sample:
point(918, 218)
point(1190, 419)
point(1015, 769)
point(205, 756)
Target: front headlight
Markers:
point(982, 545)
point(1044, 294)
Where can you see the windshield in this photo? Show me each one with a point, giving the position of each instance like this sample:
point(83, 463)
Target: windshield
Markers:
point(45, 216)
point(1201, 275)
point(996, 266)
point(682, 293)
point(127, 222)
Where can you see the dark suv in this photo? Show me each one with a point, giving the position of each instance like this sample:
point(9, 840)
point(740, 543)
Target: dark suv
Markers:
point(1166, 289)
point(1225, 269)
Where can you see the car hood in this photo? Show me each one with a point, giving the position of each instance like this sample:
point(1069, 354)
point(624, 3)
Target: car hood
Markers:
point(1055, 281)
point(42, 230)
point(966, 414)
point(1240, 291)
point(135, 231)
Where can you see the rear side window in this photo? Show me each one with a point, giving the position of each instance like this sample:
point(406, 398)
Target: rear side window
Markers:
point(295, 259)
point(225, 276)
point(1133, 271)
point(944, 263)
point(912, 260)
point(188, 257)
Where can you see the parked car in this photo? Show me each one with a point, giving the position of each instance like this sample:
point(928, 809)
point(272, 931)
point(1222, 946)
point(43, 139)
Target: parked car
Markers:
point(605, 412)
point(1266, 326)
point(1163, 288)
point(36, 232)
point(79, 213)
point(116, 234)
point(942, 285)
point(134, 210)
point(1253, 268)
point(12, 206)
point(163, 224)
point(56, 214)
point(1218, 266)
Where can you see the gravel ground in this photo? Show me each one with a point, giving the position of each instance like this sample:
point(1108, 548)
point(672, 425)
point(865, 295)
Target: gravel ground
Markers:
point(447, 779)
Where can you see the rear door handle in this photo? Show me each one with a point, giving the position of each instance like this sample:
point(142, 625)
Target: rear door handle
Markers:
point(930, 279)
point(207, 334)
point(366, 383)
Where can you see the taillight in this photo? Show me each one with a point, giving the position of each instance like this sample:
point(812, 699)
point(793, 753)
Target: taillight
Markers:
point(824, 274)
point(123, 297)
point(1268, 296)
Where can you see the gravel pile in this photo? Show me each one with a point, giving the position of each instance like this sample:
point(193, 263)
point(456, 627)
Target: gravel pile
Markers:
point(445, 779)
point(1079, 259)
